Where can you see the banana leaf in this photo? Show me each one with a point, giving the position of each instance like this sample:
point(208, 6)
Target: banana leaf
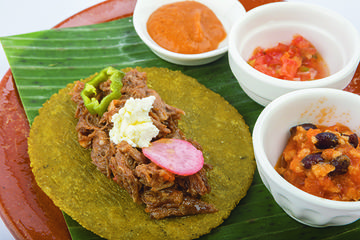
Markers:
point(44, 62)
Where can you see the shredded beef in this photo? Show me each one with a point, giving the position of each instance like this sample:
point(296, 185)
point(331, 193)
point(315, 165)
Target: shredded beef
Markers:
point(102, 151)
point(125, 177)
point(154, 177)
point(165, 194)
point(171, 202)
point(196, 184)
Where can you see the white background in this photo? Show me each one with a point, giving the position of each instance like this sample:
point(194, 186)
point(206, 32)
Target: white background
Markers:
point(22, 16)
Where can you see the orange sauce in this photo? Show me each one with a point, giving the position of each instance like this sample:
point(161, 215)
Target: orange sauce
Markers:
point(329, 177)
point(186, 27)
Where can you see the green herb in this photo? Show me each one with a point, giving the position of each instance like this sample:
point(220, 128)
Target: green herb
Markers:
point(303, 69)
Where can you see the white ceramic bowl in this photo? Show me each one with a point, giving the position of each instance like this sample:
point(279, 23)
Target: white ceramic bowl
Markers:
point(334, 37)
point(228, 11)
point(270, 136)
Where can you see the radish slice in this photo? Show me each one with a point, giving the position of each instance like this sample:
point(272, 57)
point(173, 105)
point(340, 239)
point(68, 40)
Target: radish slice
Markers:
point(175, 155)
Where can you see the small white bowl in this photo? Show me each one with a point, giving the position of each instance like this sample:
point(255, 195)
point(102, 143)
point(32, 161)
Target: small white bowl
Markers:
point(336, 39)
point(228, 11)
point(323, 106)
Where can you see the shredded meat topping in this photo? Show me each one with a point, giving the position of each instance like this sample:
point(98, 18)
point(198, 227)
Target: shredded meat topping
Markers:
point(165, 194)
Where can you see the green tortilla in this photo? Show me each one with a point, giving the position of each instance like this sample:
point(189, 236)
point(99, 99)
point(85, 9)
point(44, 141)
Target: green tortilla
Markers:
point(64, 171)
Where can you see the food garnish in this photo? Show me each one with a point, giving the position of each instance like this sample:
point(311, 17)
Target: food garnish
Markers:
point(99, 105)
point(297, 61)
point(133, 124)
point(175, 155)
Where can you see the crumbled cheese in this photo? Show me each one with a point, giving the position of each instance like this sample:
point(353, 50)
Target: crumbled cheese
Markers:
point(133, 124)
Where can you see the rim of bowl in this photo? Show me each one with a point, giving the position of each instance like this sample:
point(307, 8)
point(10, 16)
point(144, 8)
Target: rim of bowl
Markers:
point(269, 170)
point(349, 67)
point(148, 41)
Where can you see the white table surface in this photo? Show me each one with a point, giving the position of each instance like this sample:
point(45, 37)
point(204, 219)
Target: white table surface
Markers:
point(44, 14)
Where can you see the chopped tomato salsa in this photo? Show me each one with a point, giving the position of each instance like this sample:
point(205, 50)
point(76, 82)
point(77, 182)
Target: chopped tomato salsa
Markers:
point(323, 161)
point(297, 61)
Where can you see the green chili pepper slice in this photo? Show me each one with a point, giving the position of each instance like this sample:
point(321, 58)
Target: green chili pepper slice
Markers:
point(89, 92)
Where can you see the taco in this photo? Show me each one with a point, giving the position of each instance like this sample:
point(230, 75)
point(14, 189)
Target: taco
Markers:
point(87, 186)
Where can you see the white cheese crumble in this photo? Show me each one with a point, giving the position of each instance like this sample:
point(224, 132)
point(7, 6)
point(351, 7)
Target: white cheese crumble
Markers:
point(133, 124)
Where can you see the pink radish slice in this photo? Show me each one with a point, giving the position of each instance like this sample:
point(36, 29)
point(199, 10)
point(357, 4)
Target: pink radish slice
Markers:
point(175, 155)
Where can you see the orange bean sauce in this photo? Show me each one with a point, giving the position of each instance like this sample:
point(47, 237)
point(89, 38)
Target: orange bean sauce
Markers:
point(186, 27)
point(329, 178)
point(297, 61)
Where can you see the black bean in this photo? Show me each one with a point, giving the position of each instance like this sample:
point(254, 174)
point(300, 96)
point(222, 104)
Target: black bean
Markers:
point(326, 140)
point(341, 165)
point(312, 159)
point(354, 140)
point(306, 126)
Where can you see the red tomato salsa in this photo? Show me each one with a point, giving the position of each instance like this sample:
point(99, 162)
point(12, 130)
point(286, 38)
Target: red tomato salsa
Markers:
point(323, 161)
point(297, 61)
